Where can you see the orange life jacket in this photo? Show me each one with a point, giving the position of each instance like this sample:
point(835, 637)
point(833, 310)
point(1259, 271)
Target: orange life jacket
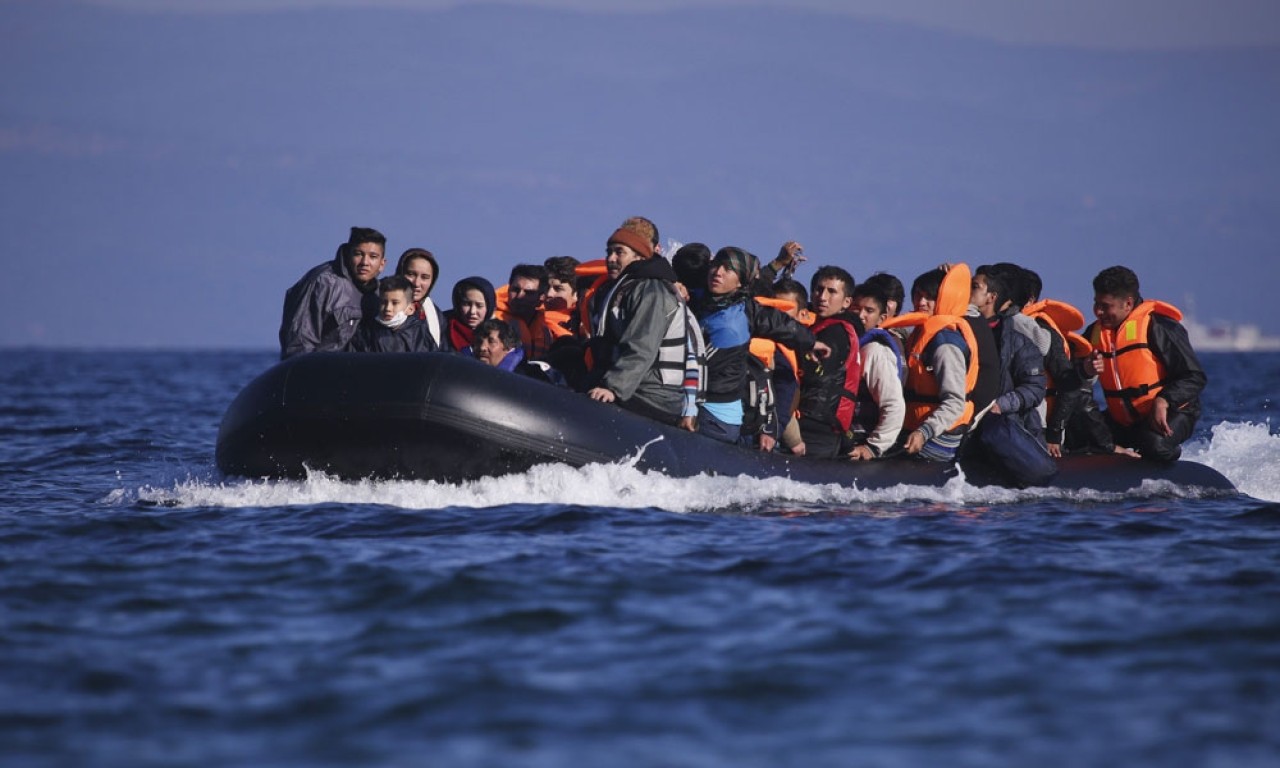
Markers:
point(600, 270)
point(920, 389)
point(535, 336)
point(556, 322)
point(1132, 376)
point(763, 349)
point(1065, 320)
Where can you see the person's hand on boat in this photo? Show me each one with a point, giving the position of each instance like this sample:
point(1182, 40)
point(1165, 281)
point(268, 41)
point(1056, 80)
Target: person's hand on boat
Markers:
point(1055, 449)
point(820, 351)
point(602, 395)
point(797, 449)
point(1160, 417)
point(995, 407)
point(767, 443)
point(689, 423)
point(915, 441)
point(1120, 449)
point(862, 453)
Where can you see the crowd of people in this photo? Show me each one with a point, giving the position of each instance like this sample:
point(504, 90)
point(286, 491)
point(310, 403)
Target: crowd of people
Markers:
point(741, 352)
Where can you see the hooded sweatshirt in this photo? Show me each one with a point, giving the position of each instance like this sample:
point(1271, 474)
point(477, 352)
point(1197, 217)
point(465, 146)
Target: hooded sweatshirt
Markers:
point(459, 335)
point(322, 311)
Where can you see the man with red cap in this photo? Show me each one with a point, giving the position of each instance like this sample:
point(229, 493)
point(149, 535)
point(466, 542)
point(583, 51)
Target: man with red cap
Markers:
point(639, 343)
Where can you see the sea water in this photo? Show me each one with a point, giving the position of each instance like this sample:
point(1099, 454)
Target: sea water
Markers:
point(153, 612)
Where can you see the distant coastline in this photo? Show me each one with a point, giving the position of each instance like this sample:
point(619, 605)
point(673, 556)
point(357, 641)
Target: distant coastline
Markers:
point(1221, 336)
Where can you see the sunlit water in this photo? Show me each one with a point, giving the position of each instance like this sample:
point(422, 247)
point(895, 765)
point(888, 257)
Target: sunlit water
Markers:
point(156, 613)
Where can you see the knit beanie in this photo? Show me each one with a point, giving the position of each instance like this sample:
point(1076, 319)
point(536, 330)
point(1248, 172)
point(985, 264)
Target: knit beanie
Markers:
point(740, 261)
point(634, 241)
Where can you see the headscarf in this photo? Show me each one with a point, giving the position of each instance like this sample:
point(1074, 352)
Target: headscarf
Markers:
point(459, 334)
point(745, 264)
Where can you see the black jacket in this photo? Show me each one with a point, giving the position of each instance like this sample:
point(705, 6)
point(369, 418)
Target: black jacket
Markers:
point(412, 336)
point(1184, 377)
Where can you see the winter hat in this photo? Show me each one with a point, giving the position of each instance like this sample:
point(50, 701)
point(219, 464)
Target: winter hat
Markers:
point(740, 261)
point(634, 241)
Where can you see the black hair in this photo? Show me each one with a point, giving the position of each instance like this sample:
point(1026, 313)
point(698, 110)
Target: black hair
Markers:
point(691, 264)
point(792, 287)
point(928, 284)
point(1031, 280)
point(1012, 278)
point(874, 291)
point(506, 334)
point(402, 266)
point(890, 285)
point(531, 272)
point(995, 282)
point(395, 283)
point(366, 235)
point(562, 268)
point(1118, 281)
point(829, 272)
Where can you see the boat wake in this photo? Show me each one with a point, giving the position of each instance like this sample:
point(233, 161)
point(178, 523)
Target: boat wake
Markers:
point(1247, 453)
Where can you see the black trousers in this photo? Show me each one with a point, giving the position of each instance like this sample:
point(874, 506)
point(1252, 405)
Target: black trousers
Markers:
point(1152, 445)
point(820, 440)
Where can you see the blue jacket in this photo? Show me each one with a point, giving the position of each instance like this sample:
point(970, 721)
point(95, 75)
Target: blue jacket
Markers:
point(1022, 380)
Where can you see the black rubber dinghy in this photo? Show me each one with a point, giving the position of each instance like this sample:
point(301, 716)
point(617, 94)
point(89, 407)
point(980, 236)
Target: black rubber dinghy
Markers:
point(445, 417)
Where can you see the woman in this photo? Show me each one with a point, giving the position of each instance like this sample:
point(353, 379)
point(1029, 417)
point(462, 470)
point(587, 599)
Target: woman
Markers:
point(473, 303)
point(419, 267)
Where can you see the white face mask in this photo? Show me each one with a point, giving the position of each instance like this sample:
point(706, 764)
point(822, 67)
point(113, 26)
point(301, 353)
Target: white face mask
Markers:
point(394, 322)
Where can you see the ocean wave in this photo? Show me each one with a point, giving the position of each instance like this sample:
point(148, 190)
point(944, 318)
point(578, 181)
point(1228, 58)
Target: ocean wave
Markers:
point(1245, 452)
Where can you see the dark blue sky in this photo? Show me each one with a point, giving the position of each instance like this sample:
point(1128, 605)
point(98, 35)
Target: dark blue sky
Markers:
point(174, 173)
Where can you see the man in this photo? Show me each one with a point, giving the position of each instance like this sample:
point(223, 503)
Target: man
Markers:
point(1011, 436)
point(591, 300)
point(496, 344)
point(829, 385)
point(562, 285)
point(640, 342)
point(1150, 375)
point(944, 386)
point(881, 406)
point(526, 288)
point(1073, 423)
point(322, 311)
point(1022, 382)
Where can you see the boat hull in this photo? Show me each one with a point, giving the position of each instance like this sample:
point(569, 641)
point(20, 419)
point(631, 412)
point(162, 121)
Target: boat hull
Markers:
point(444, 417)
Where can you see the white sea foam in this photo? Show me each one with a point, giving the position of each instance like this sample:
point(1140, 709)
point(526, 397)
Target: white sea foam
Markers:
point(1248, 454)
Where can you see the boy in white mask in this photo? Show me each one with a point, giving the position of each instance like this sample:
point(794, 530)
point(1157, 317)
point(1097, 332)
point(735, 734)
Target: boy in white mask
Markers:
point(396, 327)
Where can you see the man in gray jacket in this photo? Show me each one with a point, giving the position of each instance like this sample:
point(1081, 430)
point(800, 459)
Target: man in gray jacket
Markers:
point(322, 311)
point(639, 348)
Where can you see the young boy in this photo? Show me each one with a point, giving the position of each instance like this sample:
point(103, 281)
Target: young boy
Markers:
point(881, 406)
point(829, 386)
point(396, 327)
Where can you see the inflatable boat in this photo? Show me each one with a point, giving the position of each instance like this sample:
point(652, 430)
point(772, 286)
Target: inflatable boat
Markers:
point(444, 417)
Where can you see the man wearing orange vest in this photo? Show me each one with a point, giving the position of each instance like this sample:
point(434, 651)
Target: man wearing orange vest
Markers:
point(1149, 373)
point(520, 305)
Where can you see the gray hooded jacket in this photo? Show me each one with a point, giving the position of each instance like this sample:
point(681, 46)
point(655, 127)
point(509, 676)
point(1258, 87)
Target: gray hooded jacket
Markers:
point(322, 311)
